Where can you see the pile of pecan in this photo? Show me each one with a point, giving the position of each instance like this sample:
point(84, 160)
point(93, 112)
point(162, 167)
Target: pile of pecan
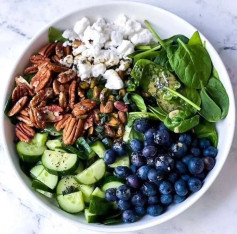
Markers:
point(56, 95)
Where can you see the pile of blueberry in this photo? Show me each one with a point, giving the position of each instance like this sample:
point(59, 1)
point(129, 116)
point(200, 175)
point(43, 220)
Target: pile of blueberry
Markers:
point(166, 168)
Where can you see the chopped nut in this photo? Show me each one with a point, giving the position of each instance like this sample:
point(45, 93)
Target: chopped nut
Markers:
point(56, 59)
point(84, 85)
point(23, 132)
point(120, 131)
point(18, 106)
point(107, 108)
point(77, 43)
point(51, 113)
point(121, 106)
point(113, 122)
point(25, 119)
point(122, 92)
point(122, 117)
point(109, 131)
point(67, 76)
point(67, 50)
point(41, 98)
point(93, 83)
point(20, 81)
point(91, 131)
point(82, 107)
point(111, 98)
point(96, 92)
point(103, 95)
point(81, 93)
point(121, 74)
point(56, 67)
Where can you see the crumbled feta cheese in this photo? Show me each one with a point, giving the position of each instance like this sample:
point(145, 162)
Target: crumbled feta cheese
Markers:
point(99, 25)
point(143, 37)
point(79, 59)
point(113, 81)
point(98, 69)
point(116, 38)
point(78, 50)
point(67, 43)
point(124, 65)
point(81, 25)
point(67, 61)
point(111, 58)
point(70, 34)
point(84, 70)
point(125, 48)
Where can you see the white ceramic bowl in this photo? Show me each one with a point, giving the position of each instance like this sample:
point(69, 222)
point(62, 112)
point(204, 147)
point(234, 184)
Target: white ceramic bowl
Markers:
point(166, 24)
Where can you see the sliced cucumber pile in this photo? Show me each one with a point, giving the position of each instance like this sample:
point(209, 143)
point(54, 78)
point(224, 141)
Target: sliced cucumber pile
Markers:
point(98, 148)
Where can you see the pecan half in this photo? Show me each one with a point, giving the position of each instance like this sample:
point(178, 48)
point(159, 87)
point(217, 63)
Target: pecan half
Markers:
point(84, 106)
point(41, 98)
point(39, 59)
point(18, 106)
point(122, 117)
point(72, 131)
point(31, 70)
point(25, 119)
point(51, 113)
point(59, 50)
point(72, 94)
point(42, 78)
point(47, 50)
point(66, 76)
point(63, 100)
point(56, 59)
point(107, 108)
point(63, 122)
point(56, 68)
point(20, 81)
point(18, 93)
point(67, 50)
point(36, 118)
point(89, 121)
point(121, 106)
point(23, 132)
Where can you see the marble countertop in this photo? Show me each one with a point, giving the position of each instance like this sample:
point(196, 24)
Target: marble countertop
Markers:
point(215, 212)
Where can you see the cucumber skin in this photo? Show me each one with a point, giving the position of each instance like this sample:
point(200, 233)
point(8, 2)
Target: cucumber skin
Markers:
point(45, 193)
point(109, 185)
point(74, 183)
point(39, 185)
point(103, 205)
point(98, 148)
point(91, 218)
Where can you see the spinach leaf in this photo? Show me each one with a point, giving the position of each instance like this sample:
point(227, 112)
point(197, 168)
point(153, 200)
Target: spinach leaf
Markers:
point(174, 39)
point(55, 35)
point(29, 77)
point(180, 121)
point(143, 47)
point(139, 102)
point(149, 54)
point(209, 109)
point(136, 135)
point(215, 73)
point(195, 39)
point(162, 59)
point(132, 55)
point(159, 112)
point(7, 108)
point(218, 94)
point(207, 130)
point(191, 63)
point(132, 116)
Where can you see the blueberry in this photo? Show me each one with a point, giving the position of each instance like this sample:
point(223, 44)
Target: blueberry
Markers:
point(148, 143)
point(204, 143)
point(124, 205)
point(162, 137)
point(123, 192)
point(181, 167)
point(185, 138)
point(162, 126)
point(155, 210)
point(194, 184)
point(120, 148)
point(166, 199)
point(209, 163)
point(201, 176)
point(179, 149)
point(149, 135)
point(150, 161)
point(129, 216)
point(136, 145)
point(185, 177)
point(122, 171)
point(149, 189)
point(195, 143)
point(210, 151)
point(173, 177)
point(142, 172)
point(149, 151)
point(155, 175)
point(165, 187)
point(137, 159)
point(110, 156)
point(133, 181)
point(153, 200)
point(178, 199)
point(139, 199)
point(140, 210)
point(180, 187)
point(195, 166)
point(141, 125)
point(186, 159)
point(110, 195)
point(164, 163)
point(133, 169)
point(195, 151)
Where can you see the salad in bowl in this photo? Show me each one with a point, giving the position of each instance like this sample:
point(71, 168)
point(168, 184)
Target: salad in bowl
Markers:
point(115, 122)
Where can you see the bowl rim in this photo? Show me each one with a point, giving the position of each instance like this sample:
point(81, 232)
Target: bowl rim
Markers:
point(127, 227)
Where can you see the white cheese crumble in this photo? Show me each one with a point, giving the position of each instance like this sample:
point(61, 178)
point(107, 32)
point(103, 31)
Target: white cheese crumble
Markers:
point(67, 61)
point(84, 70)
point(98, 69)
point(81, 25)
point(113, 81)
point(125, 48)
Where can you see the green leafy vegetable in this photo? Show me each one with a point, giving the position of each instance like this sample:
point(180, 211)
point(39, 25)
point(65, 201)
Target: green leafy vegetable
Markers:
point(149, 54)
point(162, 59)
point(174, 40)
point(218, 94)
point(158, 111)
point(7, 108)
point(55, 35)
point(139, 102)
point(143, 47)
point(29, 77)
point(209, 109)
point(215, 73)
point(84, 146)
point(207, 130)
point(195, 39)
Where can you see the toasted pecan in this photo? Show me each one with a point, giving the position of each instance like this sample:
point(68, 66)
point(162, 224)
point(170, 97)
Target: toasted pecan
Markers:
point(18, 93)
point(67, 76)
point(47, 50)
point(63, 122)
point(18, 106)
point(83, 107)
point(24, 132)
point(72, 94)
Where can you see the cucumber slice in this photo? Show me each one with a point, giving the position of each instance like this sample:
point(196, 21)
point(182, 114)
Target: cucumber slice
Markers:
point(121, 161)
point(79, 169)
point(45, 193)
point(90, 217)
point(59, 162)
point(40, 139)
point(52, 144)
point(67, 185)
point(86, 191)
point(36, 170)
point(99, 206)
point(36, 184)
point(112, 182)
point(98, 193)
point(73, 150)
point(48, 179)
point(93, 173)
point(71, 203)
point(98, 148)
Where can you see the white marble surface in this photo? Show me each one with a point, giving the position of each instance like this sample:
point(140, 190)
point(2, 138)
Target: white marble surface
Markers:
point(215, 212)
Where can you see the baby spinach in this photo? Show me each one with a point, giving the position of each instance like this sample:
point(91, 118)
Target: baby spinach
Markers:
point(29, 77)
point(218, 94)
point(207, 130)
point(162, 59)
point(135, 135)
point(139, 102)
point(215, 73)
point(55, 35)
point(191, 63)
point(149, 54)
point(209, 109)
point(158, 111)
point(143, 47)
point(7, 108)
point(195, 39)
